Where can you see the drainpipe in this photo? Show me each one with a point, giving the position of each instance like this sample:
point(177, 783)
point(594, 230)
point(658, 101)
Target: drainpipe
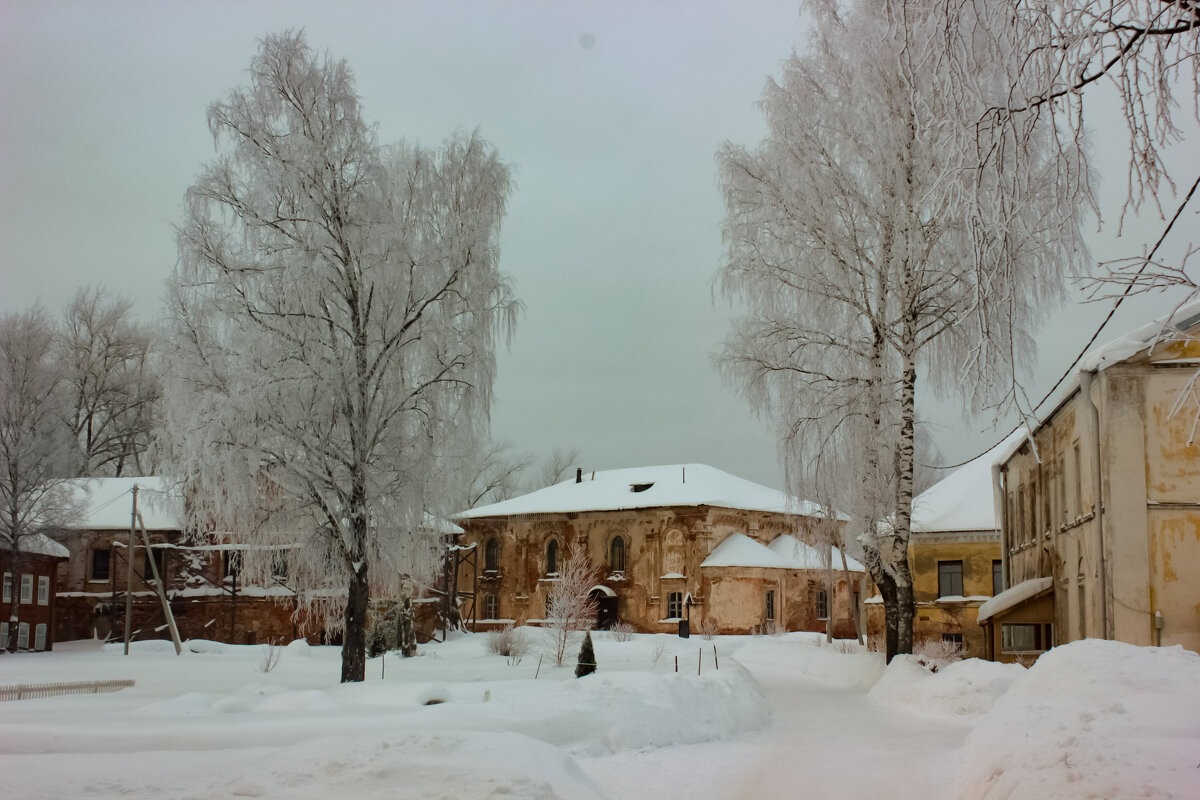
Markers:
point(1000, 506)
point(1085, 390)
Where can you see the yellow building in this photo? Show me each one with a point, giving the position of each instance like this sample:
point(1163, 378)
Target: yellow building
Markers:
point(1101, 513)
point(954, 556)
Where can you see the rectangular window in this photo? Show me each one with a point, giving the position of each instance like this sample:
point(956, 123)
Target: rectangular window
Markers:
point(491, 606)
point(3, 635)
point(230, 564)
point(770, 609)
point(1025, 637)
point(675, 605)
point(160, 562)
point(997, 577)
point(822, 604)
point(950, 578)
point(26, 588)
point(101, 564)
point(23, 636)
point(43, 590)
point(39, 637)
point(8, 587)
point(953, 638)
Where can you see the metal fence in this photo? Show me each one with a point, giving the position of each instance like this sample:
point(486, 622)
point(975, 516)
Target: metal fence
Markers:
point(28, 691)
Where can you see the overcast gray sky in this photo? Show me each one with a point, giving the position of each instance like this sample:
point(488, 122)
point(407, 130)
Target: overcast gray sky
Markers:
point(610, 114)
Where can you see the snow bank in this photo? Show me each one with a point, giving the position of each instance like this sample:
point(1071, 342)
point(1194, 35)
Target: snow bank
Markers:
point(966, 688)
point(1091, 719)
point(807, 656)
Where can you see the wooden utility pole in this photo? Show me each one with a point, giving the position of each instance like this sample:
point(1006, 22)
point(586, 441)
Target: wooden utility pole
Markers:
point(160, 585)
point(129, 570)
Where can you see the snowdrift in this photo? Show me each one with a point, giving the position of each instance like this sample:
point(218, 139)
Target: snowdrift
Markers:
point(1091, 719)
point(962, 689)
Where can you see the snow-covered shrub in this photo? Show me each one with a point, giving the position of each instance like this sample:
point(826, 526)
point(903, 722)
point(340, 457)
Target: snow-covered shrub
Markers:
point(508, 642)
point(270, 657)
point(938, 650)
point(660, 647)
point(708, 628)
point(622, 632)
point(585, 664)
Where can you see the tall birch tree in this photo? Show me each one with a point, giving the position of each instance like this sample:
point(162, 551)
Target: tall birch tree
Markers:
point(848, 245)
point(336, 308)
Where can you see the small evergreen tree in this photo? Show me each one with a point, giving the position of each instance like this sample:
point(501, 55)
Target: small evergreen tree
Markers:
point(586, 663)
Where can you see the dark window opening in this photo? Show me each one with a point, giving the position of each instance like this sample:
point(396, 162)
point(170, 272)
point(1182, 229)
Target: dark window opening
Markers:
point(953, 638)
point(616, 554)
point(552, 557)
point(160, 562)
point(231, 563)
point(822, 604)
point(640, 487)
point(950, 579)
point(491, 606)
point(101, 564)
point(491, 556)
point(1025, 637)
point(770, 609)
point(997, 578)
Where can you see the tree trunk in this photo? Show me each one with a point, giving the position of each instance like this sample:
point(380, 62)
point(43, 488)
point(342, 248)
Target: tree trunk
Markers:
point(354, 642)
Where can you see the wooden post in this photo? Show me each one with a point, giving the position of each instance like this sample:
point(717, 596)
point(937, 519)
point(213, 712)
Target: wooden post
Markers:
point(161, 588)
point(129, 571)
point(676, 663)
point(699, 657)
point(716, 663)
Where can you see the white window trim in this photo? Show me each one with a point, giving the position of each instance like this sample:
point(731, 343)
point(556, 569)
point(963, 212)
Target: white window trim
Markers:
point(7, 587)
point(3, 635)
point(23, 636)
point(39, 637)
point(27, 589)
point(43, 590)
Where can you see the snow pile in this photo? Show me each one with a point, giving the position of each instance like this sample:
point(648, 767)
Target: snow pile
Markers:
point(808, 657)
point(966, 688)
point(1092, 719)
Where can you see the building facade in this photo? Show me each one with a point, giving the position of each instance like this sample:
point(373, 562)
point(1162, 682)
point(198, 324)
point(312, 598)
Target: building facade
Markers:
point(1101, 523)
point(30, 593)
point(201, 579)
point(668, 543)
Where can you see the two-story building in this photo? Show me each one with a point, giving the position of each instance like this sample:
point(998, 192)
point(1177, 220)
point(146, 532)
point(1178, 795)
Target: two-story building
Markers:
point(1101, 505)
point(30, 600)
point(671, 542)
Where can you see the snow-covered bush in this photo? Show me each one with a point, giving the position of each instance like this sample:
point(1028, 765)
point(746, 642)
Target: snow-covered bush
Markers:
point(708, 628)
point(938, 650)
point(622, 632)
point(508, 642)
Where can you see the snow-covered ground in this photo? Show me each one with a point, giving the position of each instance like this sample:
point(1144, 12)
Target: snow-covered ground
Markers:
point(782, 716)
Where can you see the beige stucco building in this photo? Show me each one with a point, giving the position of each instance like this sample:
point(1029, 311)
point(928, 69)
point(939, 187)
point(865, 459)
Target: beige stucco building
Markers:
point(954, 557)
point(1101, 525)
point(685, 541)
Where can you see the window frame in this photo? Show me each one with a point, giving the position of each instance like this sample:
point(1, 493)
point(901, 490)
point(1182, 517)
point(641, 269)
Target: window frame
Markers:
point(23, 636)
point(491, 555)
point(39, 637)
point(43, 590)
point(491, 606)
point(674, 603)
point(1041, 636)
point(822, 604)
point(8, 588)
point(997, 576)
point(617, 565)
point(949, 577)
point(769, 602)
point(552, 556)
point(26, 589)
point(92, 576)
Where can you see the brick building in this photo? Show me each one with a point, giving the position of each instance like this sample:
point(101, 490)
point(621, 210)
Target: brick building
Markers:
point(685, 541)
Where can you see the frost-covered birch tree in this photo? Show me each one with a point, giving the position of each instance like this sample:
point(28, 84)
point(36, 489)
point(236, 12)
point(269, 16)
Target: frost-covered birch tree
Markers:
point(36, 452)
point(114, 389)
point(849, 248)
point(336, 308)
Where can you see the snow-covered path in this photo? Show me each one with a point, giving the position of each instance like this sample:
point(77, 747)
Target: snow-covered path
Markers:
point(822, 742)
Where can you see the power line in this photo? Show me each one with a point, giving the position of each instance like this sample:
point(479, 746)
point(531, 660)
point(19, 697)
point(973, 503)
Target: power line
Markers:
point(1108, 317)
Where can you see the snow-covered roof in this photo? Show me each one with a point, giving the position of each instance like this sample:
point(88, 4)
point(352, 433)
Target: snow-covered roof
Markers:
point(739, 550)
point(799, 555)
point(648, 487)
point(1103, 356)
point(1013, 596)
point(962, 501)
point(108, 502)
point(39, 544)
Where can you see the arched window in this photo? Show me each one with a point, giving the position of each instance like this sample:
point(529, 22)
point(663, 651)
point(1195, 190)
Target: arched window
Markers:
point(616, 554)
point(491, 556)
point(552, 557)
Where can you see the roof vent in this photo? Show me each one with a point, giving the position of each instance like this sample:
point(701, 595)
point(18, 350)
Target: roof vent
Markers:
point(640, 487)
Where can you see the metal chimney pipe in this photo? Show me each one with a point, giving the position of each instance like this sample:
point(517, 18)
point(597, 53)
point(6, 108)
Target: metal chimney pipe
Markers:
point(579, 474)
